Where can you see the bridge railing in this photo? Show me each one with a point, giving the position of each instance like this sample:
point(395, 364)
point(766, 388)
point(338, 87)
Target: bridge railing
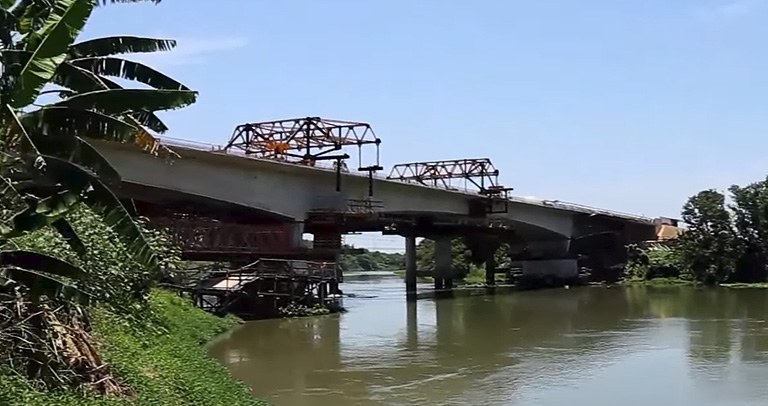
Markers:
point(296, 268)
point(594, 210)
point(282, 268)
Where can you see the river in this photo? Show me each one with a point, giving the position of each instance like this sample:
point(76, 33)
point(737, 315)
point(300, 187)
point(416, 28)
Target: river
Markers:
point(580, 346)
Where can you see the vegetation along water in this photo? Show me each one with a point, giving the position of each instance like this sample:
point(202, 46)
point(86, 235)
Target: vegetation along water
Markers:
point(82, 321)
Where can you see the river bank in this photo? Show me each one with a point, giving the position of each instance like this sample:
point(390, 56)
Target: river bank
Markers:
point(162, 360)
point(688, 282)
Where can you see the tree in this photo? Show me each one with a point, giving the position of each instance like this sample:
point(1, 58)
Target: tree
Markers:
point(48, 170)
point(461, 256)
point(750, 215)
point(709, 247)
point(48, 166)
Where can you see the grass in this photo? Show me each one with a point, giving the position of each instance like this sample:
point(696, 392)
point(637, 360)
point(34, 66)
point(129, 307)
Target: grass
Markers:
point(163, 361)
point(658, 282)
point(757, 285)
point(684, 282)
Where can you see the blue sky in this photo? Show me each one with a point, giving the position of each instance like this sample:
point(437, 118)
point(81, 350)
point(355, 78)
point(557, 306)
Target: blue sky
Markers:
point(627, 105)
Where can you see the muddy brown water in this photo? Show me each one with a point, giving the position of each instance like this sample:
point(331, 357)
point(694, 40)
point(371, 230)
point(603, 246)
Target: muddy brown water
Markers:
point(580, 346)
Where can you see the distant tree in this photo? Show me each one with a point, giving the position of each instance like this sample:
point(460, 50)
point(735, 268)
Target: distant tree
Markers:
point(461, 256)
point(368, 261)
point(709, 248)
point(750, 217)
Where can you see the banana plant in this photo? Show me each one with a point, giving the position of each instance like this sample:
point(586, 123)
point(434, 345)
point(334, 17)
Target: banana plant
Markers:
point(47, 165)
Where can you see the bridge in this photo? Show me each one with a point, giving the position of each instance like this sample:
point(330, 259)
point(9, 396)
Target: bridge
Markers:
point(255, 197)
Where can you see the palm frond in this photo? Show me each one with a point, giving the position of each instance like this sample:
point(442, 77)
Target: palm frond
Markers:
point(69, 235)
point(119, 45)
point(129, 70)
point(59, 124)
point(121, 101)
point(48, 48)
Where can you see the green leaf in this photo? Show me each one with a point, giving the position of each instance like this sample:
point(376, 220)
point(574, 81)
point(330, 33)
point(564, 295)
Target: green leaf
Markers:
point(58, 204)
point(120, 101)
point(83, 154)
point(31, 14)
point(129, 70)
point(16, 131)
point(119, 45)
point(60, 124)
point(42, 214)
point(80, 80)
point(70, 236)
point(40, 273)
point(102, 201)
point(150, 120)
point(49, 47)
point(83, 81)
point(35, 261)
point(72, 181)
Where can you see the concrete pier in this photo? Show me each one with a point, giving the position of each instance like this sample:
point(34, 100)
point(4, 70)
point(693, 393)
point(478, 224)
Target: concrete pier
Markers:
point(443, 264)
point(410, 268)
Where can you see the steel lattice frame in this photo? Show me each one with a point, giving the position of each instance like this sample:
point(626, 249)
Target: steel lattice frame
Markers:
point(479, 172)
point(308, 139)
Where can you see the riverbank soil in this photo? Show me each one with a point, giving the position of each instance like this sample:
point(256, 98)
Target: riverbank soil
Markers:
point(161, 359)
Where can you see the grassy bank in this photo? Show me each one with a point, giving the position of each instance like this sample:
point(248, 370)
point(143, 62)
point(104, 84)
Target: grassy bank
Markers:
point(686, 282)
point(163, 361)
point(658, 282)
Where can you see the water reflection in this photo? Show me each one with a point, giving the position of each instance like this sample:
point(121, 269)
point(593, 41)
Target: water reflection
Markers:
point(574, 346)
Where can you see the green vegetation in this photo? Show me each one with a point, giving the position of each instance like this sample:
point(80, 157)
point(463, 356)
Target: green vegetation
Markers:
point(470, 270)
point(302, 310)
point(725, 244)
point(467, 264)
point(79, 322)
point(368, 261)
point(162, 361)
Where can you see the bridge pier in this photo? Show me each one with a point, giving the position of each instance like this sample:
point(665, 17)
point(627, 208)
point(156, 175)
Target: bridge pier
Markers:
point(443, 264)
point(490, 269)
point(410, 268)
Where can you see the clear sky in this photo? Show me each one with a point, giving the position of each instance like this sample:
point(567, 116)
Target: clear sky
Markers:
point(631, 105)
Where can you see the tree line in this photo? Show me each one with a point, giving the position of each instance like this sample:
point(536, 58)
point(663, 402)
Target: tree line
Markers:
point(726, 240)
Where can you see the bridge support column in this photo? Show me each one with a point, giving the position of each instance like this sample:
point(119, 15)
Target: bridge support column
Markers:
point(443, 264)
point(298, 232)
point(410, 268)
point(490, 270)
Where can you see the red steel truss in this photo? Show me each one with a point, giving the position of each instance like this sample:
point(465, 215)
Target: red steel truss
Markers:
point(478, 172)
point(307, 139)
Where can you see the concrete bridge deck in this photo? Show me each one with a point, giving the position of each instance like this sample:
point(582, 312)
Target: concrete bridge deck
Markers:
point(291, 192)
